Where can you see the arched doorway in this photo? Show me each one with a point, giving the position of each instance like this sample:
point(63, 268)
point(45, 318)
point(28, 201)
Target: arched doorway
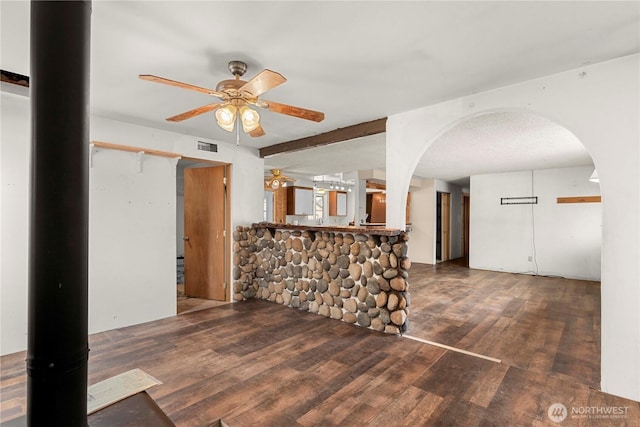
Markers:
point(516, 167)
point(581, 100)
point(510, 155)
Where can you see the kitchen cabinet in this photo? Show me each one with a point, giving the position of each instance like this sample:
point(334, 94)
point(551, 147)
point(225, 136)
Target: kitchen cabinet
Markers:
point(299, 201)
point(337, 203)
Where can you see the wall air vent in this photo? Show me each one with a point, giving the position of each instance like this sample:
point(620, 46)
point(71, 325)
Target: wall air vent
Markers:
point(207, 146)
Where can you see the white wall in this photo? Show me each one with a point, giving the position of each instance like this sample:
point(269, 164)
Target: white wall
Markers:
point(574, 250)
point(15, 140)
point(158, 195)
point(561, 239)
point(132, 254)
point(247, 170)
point(500, 236)
point(132, 246)
point(422, 243)
point(600, 104)
point(180, 223)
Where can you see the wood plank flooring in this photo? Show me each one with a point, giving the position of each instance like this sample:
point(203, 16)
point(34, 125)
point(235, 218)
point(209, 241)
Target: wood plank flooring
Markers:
point(258, 363)
point(185, 304)
point(542, 324)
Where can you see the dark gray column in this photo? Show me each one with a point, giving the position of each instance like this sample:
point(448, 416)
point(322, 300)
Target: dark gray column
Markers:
point(58, 242)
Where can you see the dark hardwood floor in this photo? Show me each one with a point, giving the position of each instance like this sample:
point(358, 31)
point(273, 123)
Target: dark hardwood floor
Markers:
point(542, 324)
point(185, 304)
point(258, 363)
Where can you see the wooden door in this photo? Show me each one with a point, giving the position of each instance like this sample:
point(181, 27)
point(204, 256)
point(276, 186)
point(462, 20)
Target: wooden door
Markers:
point(204, 230)
point(378, 208)
point(446, 226)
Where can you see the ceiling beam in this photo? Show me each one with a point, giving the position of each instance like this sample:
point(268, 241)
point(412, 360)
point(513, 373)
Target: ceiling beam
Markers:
point(338, 135)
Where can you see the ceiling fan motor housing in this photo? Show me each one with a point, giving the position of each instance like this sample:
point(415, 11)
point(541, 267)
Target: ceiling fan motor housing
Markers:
point(237, 68)
point(231, 84)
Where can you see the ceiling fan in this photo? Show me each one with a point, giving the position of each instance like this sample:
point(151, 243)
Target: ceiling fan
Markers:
point(236, 97)
point(277, 179)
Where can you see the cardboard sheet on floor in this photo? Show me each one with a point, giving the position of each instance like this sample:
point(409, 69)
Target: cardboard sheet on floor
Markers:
point(114, 389)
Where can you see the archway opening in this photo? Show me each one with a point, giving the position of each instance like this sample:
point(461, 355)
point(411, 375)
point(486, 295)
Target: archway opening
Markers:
point(531, 296)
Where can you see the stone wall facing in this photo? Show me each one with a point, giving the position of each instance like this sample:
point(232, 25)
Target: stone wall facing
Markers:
point(357, 278)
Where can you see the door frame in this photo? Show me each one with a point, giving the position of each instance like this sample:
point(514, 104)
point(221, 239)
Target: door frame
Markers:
point(227, 220)
point(466, 224)
point(443, 225)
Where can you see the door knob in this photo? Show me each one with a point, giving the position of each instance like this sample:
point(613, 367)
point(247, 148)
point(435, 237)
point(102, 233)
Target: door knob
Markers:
point(185, 238)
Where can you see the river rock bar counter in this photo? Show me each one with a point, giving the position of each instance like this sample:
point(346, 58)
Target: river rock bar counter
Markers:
point(354, 274)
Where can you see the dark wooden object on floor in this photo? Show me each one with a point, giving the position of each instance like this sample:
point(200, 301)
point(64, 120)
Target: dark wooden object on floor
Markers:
point(136, 410)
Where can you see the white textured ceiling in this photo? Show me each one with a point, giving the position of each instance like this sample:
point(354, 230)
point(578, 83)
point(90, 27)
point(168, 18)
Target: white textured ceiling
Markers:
point(501, 142)
point(355, 61)
point(490, 143)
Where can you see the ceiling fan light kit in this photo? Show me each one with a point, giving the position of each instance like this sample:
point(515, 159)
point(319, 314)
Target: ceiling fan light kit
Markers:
point(250, 118)
point(226, 117)
point(277, 179)
point(236, 98)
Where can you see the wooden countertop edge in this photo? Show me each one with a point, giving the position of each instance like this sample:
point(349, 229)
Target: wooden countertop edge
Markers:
point(379, 231)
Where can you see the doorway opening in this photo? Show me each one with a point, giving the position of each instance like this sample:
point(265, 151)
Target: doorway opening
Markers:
point(522, 256)
point(202, 224)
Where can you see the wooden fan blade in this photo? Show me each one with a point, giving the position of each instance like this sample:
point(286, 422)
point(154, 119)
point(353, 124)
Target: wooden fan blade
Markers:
point(169, 82)
point(263, 81)
point(195, 112)
point(257, 131)
point(303, 113)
